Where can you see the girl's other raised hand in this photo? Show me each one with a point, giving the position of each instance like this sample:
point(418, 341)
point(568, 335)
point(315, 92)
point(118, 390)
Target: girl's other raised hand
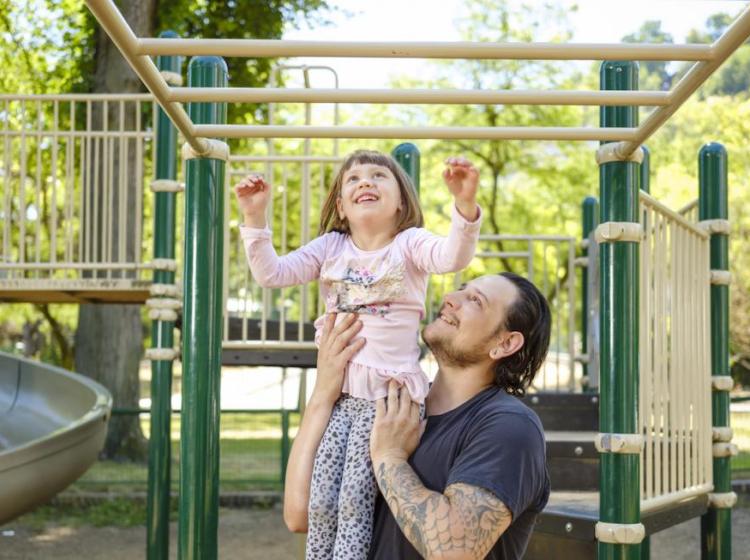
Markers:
point(253, 195)
point(462, 180)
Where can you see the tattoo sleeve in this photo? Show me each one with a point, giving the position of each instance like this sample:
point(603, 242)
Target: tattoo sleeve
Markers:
point(464, 522)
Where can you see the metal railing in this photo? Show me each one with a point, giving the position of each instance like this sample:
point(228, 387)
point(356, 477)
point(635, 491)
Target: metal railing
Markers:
point(675, 384)
point(72, 173)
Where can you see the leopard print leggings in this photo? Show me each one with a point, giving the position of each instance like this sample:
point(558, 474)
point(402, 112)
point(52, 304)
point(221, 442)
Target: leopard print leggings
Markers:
point(343, 489)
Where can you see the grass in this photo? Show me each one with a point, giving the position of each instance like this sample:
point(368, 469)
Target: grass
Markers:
point(120, 512)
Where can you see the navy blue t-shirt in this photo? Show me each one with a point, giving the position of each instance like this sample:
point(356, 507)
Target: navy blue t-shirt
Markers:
point(492, 441)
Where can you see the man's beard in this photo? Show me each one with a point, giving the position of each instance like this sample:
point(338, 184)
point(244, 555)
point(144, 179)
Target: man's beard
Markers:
point(447, 354)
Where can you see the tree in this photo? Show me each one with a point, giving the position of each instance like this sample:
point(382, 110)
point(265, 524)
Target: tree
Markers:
point(654, 75)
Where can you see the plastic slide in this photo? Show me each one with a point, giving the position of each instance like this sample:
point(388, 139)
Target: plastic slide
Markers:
point(52, 427)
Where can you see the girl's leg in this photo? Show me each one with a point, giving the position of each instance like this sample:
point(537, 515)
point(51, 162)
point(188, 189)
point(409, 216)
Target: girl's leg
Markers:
point(358, 489)
point(326, 482)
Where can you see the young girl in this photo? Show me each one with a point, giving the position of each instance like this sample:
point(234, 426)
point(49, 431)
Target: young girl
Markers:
point(373, 258)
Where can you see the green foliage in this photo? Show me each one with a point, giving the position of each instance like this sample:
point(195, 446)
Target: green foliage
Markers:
point(653, 74)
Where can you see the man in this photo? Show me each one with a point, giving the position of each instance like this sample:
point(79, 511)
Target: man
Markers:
point(472, 486)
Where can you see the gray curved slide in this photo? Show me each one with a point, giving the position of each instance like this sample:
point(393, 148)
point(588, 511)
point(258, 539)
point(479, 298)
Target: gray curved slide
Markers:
point(52, 427)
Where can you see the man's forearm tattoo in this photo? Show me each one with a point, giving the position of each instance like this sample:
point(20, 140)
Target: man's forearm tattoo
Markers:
point(465, 518)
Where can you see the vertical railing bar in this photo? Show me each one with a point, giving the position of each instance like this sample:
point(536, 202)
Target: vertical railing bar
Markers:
point(660, 332)
point(558, 309)
point(284, 247)
point(122, 188)
point(22, 190)
point(86, 193)
point(7, 210)
point(545, 291)
point(673, 313)
point(108, 209)
point(571, 314)
point(138, 249)
point(53, 173)
point(38, 195)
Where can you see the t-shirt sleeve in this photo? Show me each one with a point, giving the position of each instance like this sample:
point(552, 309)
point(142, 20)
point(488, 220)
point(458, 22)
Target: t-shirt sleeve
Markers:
point(506, 455)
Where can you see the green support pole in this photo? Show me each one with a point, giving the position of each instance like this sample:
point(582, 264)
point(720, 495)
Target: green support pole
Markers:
point(590, 214)
point(619, 496)
point(162, 332)
point(646, 170)
point(716, 524)
point(204, 218)
point(407, 155)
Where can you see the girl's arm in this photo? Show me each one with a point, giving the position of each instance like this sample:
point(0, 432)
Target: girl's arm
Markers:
point(337, 347)
point(270, 270)
point(450, 254)
point(435, 254)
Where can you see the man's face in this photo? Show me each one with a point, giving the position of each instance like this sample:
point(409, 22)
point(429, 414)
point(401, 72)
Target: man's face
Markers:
point(466, 328)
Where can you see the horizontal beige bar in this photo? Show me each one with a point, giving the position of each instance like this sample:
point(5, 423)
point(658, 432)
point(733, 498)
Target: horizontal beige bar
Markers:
point(74, 266)
point(517, 237)
point(428, 133)
point(731, 40)
point(267, 345)
point(424, 96)
point(281, 159)
point(692, 227)
point(78, 133)
point(258, 48)
point(77, 97)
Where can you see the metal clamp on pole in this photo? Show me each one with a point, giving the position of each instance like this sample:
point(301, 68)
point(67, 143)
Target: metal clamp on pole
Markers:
point(166, 185)
point(721, 277)
point(163, 303)
point(723, 449)
point(612, 151)
point(609, 232)
point(717, 226)
point(723, 434)
point(620, 533)
point(581, 261)
point(722, 382)
point(169, 265)
point(172, 78)
point(169, 290)
point(724, 500)
point(162, 354)
point(582, 358)
point(619, 443)
point(215, 149)
point(162, 315)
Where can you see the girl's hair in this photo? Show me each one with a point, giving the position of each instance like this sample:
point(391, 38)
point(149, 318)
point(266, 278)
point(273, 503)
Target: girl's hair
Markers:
point(410, 214)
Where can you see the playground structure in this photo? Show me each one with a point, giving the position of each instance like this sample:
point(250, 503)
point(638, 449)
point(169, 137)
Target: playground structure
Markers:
point(638, 436)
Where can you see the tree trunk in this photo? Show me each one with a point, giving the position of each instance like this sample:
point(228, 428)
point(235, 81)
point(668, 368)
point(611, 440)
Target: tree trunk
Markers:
point(109, 338)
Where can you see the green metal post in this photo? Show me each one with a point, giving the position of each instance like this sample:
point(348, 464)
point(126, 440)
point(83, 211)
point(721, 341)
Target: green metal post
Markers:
point(204, 218)
point(646, 170)
point(590, 214)
point(619, 496)
point(407, 155)
point(162, 333)
point(716, 524)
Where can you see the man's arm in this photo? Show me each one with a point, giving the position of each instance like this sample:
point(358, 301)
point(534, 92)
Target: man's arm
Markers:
point(464, 522)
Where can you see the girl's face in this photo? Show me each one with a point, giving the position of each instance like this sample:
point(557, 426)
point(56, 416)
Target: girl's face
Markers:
point(369, 195)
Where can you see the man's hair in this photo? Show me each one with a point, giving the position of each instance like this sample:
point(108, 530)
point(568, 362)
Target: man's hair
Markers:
point(529, 314)
point(411, 213)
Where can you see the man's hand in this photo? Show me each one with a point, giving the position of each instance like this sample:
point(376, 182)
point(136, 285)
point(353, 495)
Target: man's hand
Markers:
point(396, 430)
point(337, 347)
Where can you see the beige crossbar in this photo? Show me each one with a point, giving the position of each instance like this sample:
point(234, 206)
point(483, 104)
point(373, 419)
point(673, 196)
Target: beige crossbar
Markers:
point(264, 48)
point(415, 132)
point(416, 96)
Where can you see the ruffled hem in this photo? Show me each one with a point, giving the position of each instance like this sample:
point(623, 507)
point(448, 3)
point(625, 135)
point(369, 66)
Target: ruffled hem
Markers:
point(371, 383)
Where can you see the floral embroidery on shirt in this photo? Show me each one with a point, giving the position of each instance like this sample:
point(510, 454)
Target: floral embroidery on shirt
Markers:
point(361, 290)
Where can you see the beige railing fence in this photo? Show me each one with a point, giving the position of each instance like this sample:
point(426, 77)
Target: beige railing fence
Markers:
point(72, 171)
point(674, 343)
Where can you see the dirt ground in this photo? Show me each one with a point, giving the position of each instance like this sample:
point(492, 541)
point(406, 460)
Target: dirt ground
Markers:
point(260, 534)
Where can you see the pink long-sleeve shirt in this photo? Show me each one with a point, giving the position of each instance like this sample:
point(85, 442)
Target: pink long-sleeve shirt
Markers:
point(386, 287)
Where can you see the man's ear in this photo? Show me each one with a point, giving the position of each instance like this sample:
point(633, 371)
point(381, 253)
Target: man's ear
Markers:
point(507, 344)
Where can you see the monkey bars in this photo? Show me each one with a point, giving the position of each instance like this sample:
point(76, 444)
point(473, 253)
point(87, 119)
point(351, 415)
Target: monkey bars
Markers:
point(137, 51)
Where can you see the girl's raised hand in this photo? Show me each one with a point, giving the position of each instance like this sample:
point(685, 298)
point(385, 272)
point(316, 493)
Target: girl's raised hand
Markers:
point(462, 179)
point(253, 195)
